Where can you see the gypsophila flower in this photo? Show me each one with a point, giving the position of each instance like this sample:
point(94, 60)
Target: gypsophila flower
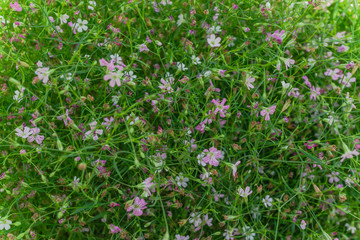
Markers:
point(213, 41)
point(5, 223)
point(80, 25)
point(181, 180)
point(267, 201)
point(244, 193)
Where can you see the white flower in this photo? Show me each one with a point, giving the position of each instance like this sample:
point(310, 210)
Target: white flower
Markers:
point(245, 193)
point(5, 224)
point(81, 25)
point(207, 74)
point(92, 4)
point(350, 228)
point(181, 180)
point(181, 20)
point(214, 41)
point(117, 58)
point(181, 66)
point(349, 154)
point(195, 60)
point(43, 74)
point(64, 18)
point(18, 96)
point(267, 201)
point(285, 85)
point(249, 235)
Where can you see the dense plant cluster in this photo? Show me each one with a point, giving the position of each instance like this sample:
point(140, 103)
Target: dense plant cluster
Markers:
point(179, 119)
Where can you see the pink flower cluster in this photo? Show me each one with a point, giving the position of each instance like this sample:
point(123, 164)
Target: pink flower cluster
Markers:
point(31, 134)
point(210, 156)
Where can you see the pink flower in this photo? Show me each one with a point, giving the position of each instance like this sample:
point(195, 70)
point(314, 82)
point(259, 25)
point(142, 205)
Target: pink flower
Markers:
point(143, 48)
point(220, 107)
point(248, 82)
point(114, 229)
point(346, 80)
point(303, 225)
point(93, 132)
point(16, 7)
point(114, 78)
point(23, 133)
point(43, 74)
point(35, 136)
point(334, 74)
point(211, 89)
point(349, 155)
point(276, 35)
point(137, 207)
point(333, 177)
point(167, 85)
point(212, 156)
point(314, 93)
point(288, 63)
point(267, 112)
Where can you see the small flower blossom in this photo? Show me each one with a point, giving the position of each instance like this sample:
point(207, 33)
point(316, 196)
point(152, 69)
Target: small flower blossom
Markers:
point(137, 207)
point(349, 155)
point(143, 48)
point(195, 60)
point(63, 18)
point(43, 74)
point(114, 229)
point(81, 25)
point(333, 177)
point(181, 180)
point(245, 193)
point(248, 82)
point(15, 6)
point(167, 85)
point(213, 41)
point(267, 201)
point(347, 80)
point(5, 224)
point(25, 133)
point(212, 156)
point(267, 112)
point(220, 107)
point(303, 225)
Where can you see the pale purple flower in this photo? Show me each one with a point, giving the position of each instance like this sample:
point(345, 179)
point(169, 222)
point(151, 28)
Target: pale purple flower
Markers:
point(303, 225)
point(349, 155)
point(342, 48)
point(207, 220)
point(212, 156)
point(66, 118)
point(43, 74)
point(333, 177)
point(143, 48)
point(267, 201)
point(195, 218)
point(245, 193)
point(114, 77)
point(220, 107)
point(267, 112)
point(25, 133)
point(167, 84)
point(114, 229)
point(179, 237)
point(277, 35)
point(137, 207)
point(288, 63)
point(248, 82)
point(346, 80)
point(35, 136)
point(334, 74)
point(94, 132)
point(314, 93)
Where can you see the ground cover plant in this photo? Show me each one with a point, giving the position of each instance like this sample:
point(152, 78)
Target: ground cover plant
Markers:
point(179, 119)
